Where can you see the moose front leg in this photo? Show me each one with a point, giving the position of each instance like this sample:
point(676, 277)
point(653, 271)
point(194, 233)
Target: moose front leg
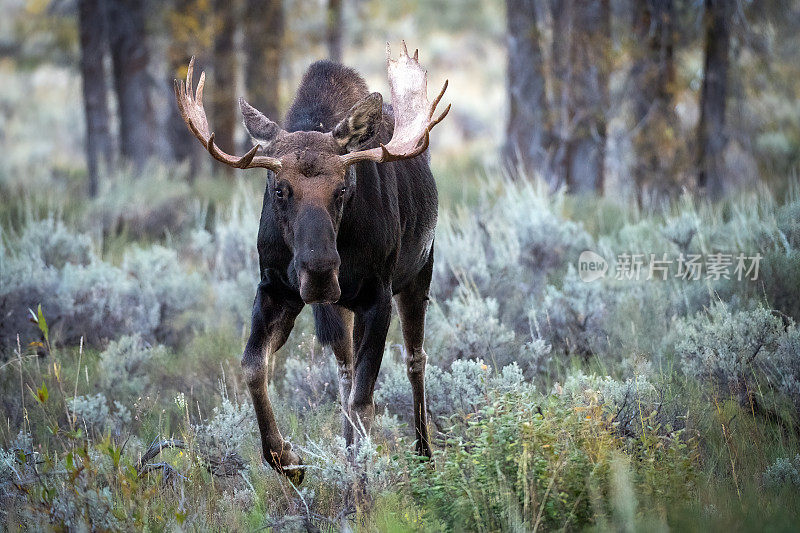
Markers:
point(273, 319)
point(368, 362)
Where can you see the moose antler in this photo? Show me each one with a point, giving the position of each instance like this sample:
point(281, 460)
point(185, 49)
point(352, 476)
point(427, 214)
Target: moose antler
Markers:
point(413, 114)
point(194, 116)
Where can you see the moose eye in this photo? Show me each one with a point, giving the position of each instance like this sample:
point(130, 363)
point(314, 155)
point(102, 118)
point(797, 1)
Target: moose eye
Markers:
point(279, 193)
point(342, 191)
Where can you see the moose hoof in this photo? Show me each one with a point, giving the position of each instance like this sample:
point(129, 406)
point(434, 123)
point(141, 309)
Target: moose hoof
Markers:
point(287, 463)
point(295, 473)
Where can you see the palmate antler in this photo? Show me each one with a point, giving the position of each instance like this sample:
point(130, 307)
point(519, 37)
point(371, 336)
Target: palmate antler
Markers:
point(413, 114)
point(191, 107)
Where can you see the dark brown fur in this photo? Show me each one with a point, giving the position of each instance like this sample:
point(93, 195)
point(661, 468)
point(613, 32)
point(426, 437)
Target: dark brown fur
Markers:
point(344, 239)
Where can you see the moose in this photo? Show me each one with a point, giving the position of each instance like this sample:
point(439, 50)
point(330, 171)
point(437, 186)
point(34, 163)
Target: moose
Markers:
point(347, 224)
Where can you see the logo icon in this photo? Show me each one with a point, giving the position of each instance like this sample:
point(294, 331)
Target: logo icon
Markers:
point(591, 266)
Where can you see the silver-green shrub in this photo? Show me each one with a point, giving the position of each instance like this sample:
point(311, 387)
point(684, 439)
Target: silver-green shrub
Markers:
point(31, 263)
point(788, 219)
point(786, 375)
point(83, 296)
point(747, 353)
point(230, 428)
point(85, 508)
point(152, 203)
point(123, 365)
point(24, 284)
point(162, 279)
point(310, 377)
point(49, 239)
point(778, 281)
point(633, 405)
point(100, 301)
point(470, 328)
point(12, 465)
point(460, 391)
point(228, 258)
point(507, 248)
point(97, 416)
point(230, 247)
point(347, 470)
point(573, 317)
point(680, 230)
point(783, 473)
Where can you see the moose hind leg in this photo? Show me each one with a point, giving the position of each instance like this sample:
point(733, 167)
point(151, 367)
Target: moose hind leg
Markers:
point(343, 350)
point(273, 319)
point(411, 306)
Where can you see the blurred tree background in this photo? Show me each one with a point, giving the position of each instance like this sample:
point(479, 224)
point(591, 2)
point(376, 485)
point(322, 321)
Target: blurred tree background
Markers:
point(635, 99)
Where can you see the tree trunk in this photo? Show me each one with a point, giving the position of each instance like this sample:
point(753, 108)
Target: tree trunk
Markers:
point(92, 26)
point(224, 115)
point(263, 42)
point(130, 58)
point(334, 30)
point(183, 146)
point(580, 71)
point(711, 134)
point(589, 49)
point(653, 73)
point(560, 80)
point(527, 127)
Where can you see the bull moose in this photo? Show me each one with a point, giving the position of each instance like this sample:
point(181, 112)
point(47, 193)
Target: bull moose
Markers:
point(348, 222)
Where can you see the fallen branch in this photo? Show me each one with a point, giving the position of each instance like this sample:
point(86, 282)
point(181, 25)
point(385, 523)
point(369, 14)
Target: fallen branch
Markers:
point(155, 449)
point(228, 465)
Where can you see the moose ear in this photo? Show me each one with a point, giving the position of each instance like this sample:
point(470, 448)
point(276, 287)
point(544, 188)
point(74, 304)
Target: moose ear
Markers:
point(261, 129)
point(361, 124)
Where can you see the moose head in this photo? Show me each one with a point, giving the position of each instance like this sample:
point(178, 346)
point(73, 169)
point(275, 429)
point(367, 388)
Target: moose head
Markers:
point(310, 184)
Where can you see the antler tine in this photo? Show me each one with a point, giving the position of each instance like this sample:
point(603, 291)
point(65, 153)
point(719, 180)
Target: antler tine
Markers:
point(198, 97)
point(438, 120)
point(176, 86)
point(249, 156)
point(212, 148)
point(180, 96)
point(416, 54)
point(189, 73)
point(438, 98)
point(405, 49)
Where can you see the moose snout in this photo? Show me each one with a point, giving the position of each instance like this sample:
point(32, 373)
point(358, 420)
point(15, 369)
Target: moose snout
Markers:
point(320, 285)
point(316, 258)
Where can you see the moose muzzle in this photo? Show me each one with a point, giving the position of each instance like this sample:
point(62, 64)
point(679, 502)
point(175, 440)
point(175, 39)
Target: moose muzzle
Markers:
point(316, 259)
